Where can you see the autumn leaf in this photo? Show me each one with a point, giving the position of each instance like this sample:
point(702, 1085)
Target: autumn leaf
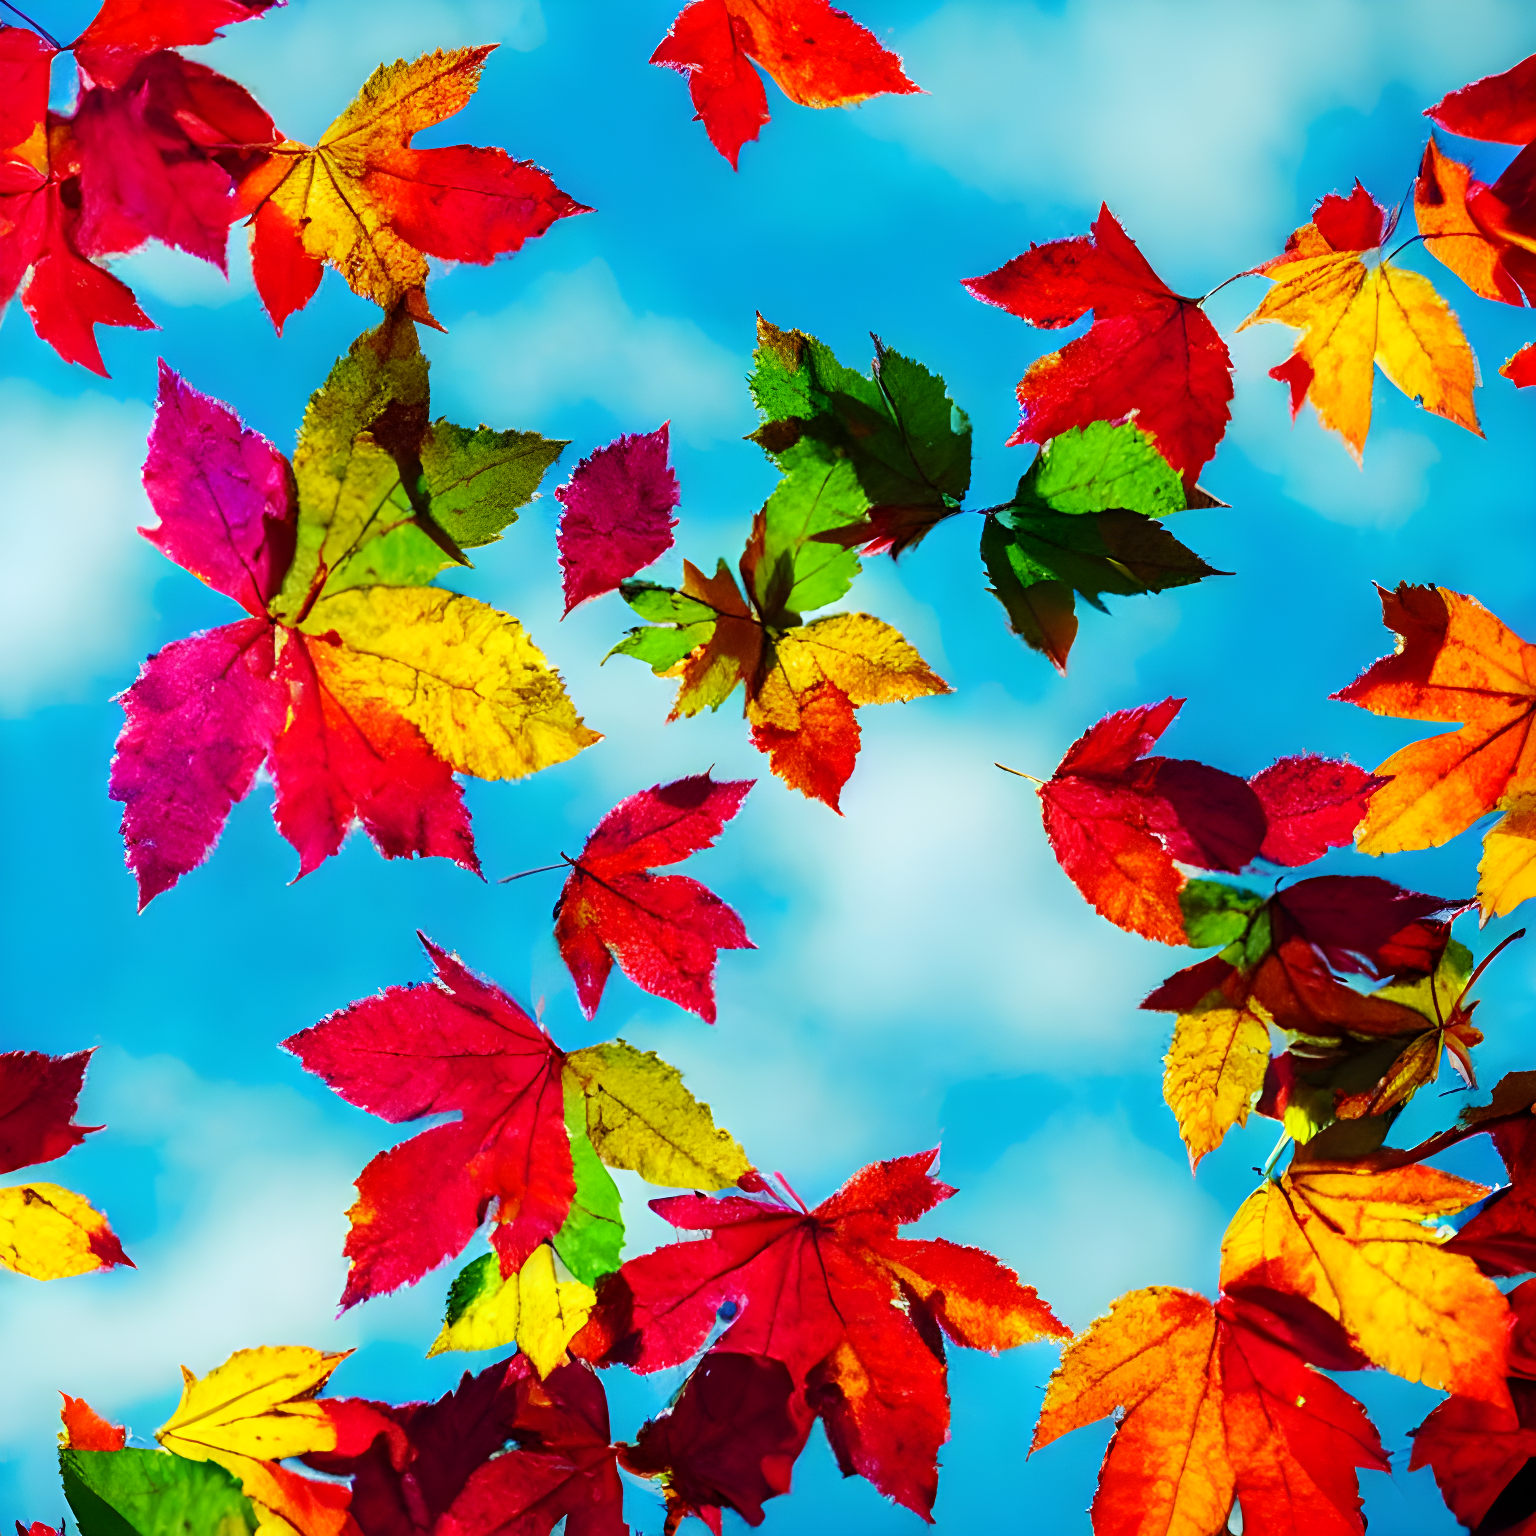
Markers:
point(38, 1098)
point(818, 1290)
point(1500, 1237)
point(1213, 1407)
point(453, 1476)
point(728, 1441)
point(1499, 108)
point(1483, 234)
point(616, 514)
point(461, 1044)
point(1118, 819)
point(365, 202)
point(1311, 804)
point(1084, 519)
point(1476, 1449)
point(48, 1233)
point(1354, 1242)
point(640, 1116)
point(124, 31)
point(1353, 317)
point(1149, 353)
point(816, 54)
point(1455, 663)
point(664, 930)
point(534, 1309)
point(1214, 1070)
point(362, 688)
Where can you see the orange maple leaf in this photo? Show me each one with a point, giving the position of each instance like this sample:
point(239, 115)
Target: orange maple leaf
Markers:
point(1353, 316)
point(1456, 663)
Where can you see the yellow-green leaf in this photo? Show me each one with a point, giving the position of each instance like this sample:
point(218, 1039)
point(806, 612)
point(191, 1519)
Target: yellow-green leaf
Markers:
point(641, 1116)
point(48, 1232)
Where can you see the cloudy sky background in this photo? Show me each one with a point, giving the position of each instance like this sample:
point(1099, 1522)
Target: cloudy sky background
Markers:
point(924, 972)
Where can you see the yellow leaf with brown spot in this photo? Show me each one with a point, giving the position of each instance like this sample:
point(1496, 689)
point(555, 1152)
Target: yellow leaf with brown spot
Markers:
point(48, 1232)
point(464, 674)
point(1213, 1072)
point(1354, 1242)
point(1354, 317)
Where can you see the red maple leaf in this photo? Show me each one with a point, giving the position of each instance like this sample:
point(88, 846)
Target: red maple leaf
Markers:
point(1500, 109)
point(1118, 819)
point(616, 514)
point(853, 1311)
point(38, 1098)
point(817, 55)
point(664, 930)
point(457, 1044)
point(1149, 353)
point(125, 31)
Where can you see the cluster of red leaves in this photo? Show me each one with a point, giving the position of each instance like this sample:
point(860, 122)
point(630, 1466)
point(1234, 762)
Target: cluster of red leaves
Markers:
point(162, 148)
point(1121, 822)
point(153, 151)
point(1485, 233)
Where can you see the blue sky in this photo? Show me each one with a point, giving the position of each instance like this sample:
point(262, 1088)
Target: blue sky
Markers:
point(924, 971)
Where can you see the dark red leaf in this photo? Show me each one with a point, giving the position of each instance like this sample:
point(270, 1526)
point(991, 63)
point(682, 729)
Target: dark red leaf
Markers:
point(1312, 804)
point(38, 1098)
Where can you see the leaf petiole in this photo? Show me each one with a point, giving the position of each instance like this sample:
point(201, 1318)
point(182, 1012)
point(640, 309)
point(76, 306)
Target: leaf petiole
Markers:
point(1018, 774)
point(36, 26)
point(1268, 1170)
point(543, 869)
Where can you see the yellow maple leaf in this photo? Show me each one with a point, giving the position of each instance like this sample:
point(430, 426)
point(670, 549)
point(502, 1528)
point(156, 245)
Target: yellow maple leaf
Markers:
point(48, 1232)
point(1506, 875)
point(1353, 317)
point(1214, 1071)
point(1354, 1242)
point(465, 675)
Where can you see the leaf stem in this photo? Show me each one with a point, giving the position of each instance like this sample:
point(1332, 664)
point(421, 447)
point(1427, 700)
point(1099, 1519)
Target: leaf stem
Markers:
point(1411, 240)
point(543, 869)
point(1274, 1157)
point(36, 26)
point(1249, 272)
point(1018, 774)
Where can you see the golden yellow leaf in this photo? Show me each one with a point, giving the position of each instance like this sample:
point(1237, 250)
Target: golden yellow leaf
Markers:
point(641, 1116)
point(464, 674)
point(1353, 317)
point(1506, 876)
point(48, 1232)
point(258, 1404)
point(1355, 1243)
point(1213, 1072)
point(866, 658)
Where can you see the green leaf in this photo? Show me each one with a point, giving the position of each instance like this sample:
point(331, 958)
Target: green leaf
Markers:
point(1040, 612)
point(662, 646)
point(1445, 988)
point(1100, 467)
point(1216, 913)
point(477, 480)
point(907, 441)
point(152, 1493)
point(591, 1243)
point(793, 573)
point(664, 605)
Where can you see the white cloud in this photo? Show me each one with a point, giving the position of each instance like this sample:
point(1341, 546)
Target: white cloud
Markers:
point(1140, 102)
point(74, 576)
point(305, 62)
point(1085, 1211)
point(574, 338)
point(1314, 466)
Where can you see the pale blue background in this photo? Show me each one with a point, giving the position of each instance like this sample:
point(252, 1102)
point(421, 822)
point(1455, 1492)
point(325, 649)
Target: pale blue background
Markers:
point(924, 972)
